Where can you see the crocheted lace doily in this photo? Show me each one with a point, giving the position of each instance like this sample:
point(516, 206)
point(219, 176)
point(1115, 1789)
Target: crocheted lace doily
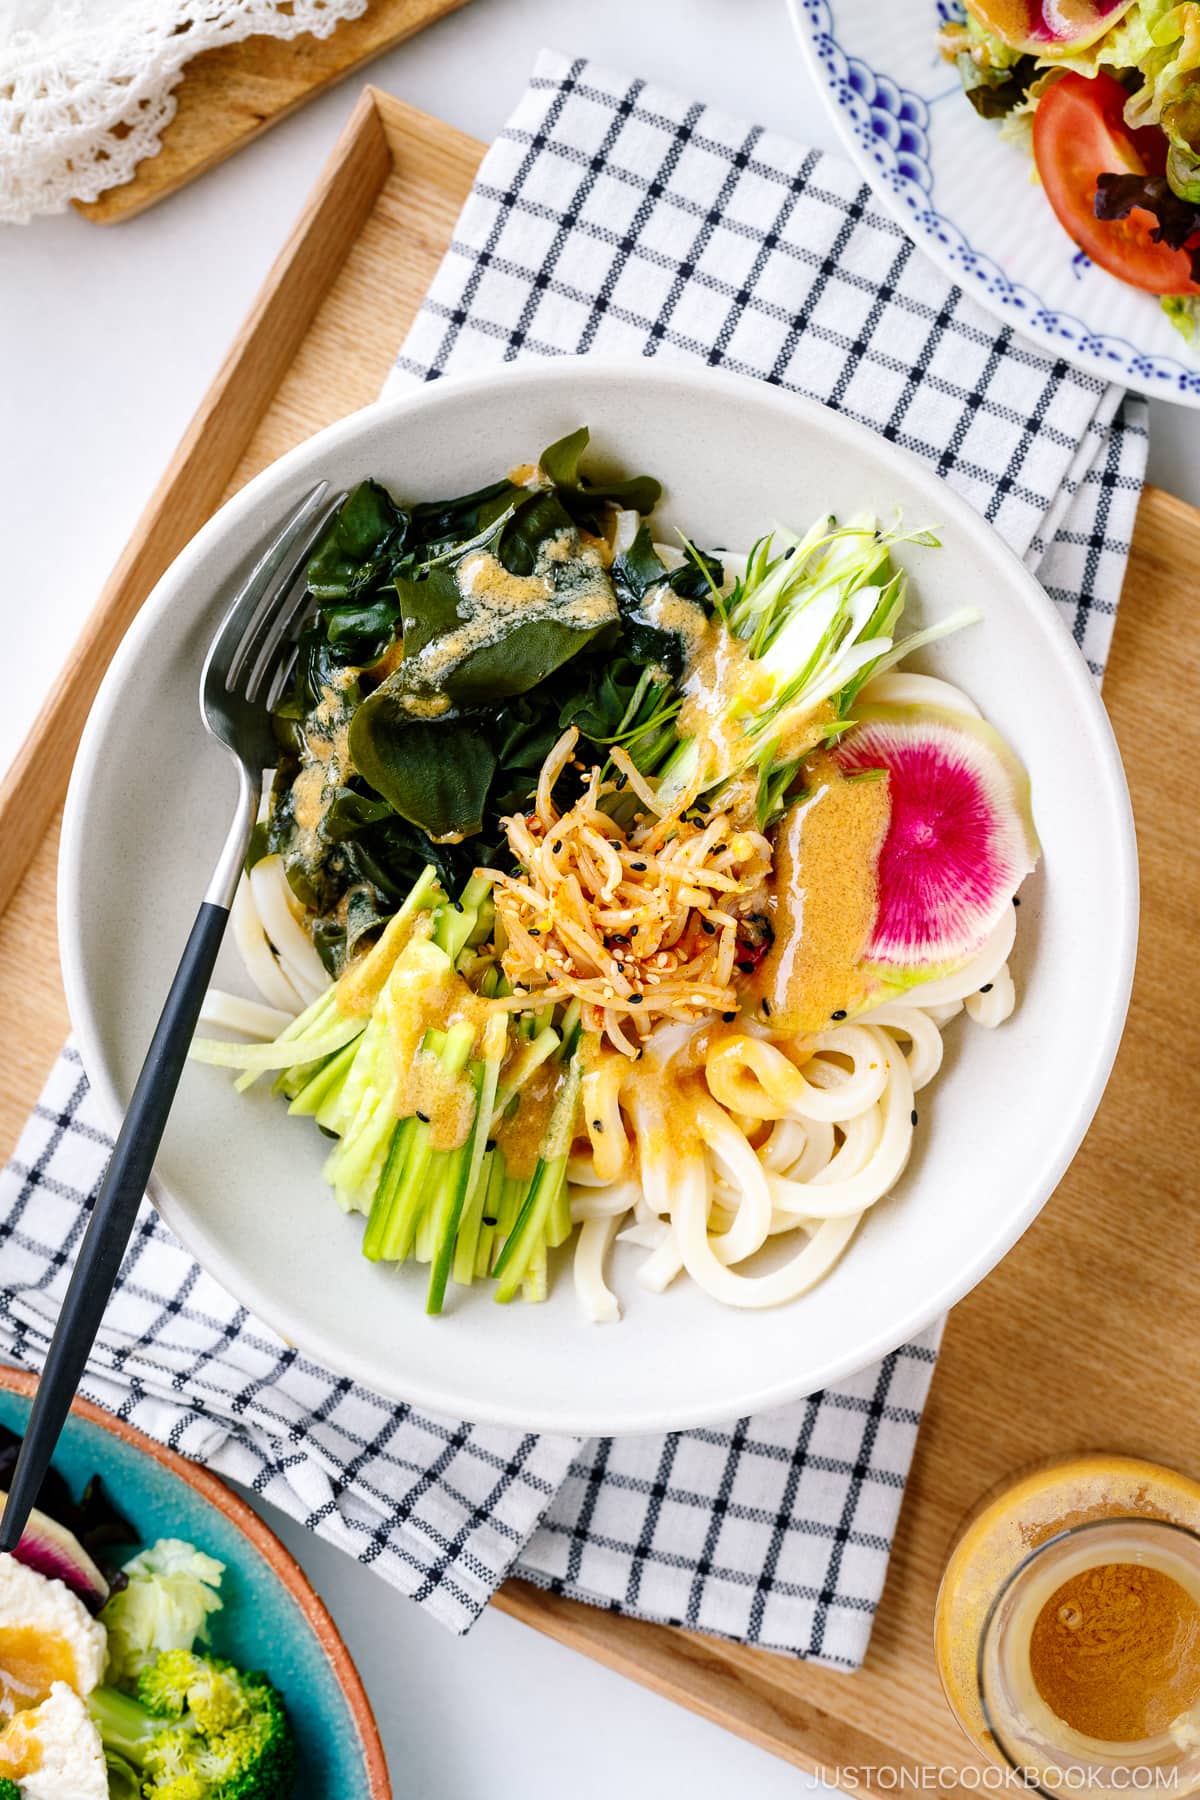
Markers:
point(86, 85)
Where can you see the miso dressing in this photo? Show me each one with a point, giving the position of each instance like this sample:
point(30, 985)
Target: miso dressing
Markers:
point(822, 899)
point(520, 1134)
point(1115, 1652)
point(568, 585)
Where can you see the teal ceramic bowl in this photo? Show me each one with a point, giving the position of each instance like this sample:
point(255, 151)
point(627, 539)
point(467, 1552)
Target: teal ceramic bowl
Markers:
point(271, 1620)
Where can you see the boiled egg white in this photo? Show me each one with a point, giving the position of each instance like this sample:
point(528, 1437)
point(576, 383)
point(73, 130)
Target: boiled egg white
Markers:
point(53, 1751)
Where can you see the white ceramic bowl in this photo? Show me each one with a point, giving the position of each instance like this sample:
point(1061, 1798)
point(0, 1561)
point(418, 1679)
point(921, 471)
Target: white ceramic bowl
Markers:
point(970, 198)
point(241, 1183)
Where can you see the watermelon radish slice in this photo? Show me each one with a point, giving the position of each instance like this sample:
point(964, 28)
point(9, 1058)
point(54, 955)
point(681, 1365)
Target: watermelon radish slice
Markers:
point(1049, 27)
point(960, 836)
point(57, 1553)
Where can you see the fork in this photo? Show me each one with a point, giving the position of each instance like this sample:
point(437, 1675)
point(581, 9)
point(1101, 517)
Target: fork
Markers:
point(247, 665)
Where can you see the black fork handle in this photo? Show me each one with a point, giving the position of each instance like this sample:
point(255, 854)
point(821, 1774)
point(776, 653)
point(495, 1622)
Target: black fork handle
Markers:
point(111, 1224)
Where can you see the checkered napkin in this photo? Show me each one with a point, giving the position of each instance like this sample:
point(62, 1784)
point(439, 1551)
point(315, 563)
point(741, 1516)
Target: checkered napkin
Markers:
point(613, 217)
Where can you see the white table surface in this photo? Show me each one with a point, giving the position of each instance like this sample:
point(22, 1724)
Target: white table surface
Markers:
point(108, 340)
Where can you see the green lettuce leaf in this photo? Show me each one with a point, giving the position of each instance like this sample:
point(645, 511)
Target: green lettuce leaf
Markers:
point(1183, 310)
point(172, 1588)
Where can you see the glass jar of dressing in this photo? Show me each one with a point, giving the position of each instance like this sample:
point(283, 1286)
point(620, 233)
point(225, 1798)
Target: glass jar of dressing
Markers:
point(1068, 1627)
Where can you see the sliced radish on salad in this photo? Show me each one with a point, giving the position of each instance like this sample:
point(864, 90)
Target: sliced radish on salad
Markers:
point(1044, 27)
point(57, 1553)
point(960, 837)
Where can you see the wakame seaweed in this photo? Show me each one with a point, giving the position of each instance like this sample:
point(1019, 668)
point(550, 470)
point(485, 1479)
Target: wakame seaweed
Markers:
point(636, 573)
point(585, 499)
point(359, 549)
point(423, 774)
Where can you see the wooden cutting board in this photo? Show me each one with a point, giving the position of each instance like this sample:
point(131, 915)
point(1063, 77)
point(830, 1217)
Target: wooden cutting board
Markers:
point(1083, 1338)
point(230, 95)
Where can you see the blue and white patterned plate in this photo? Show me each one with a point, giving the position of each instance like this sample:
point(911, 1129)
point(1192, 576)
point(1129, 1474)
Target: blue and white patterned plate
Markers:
point(970, 200)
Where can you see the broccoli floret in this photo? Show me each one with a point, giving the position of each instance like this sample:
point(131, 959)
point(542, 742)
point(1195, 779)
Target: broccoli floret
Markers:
point(9, 1789)
point(196, 1728)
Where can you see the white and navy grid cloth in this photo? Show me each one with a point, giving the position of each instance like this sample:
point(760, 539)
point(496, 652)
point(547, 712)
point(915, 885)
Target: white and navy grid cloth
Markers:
point(613, 217)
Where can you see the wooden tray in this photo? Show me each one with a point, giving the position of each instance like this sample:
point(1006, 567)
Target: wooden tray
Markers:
point(1085, 1335)
point(230, 95)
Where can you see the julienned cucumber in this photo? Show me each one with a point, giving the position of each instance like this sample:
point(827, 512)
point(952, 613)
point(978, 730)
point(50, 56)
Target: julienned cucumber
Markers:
point(465, 1171)
point(458, 1209)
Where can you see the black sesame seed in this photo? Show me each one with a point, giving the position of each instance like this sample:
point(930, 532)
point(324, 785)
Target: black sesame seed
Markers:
point(424, 1118)
point(913, 1115)
point(640, 867)
point(622, 782)
point(717, 849)
point(790, 551)
point(488, 1221)
point(707, 926)
point(839, 1014)
point(457, 906)
point(597, 1124)
point(766, 1006)
point(745, 968)
point(635, 999)
point(986, 988)
point(556, 847)
point(535, 931)
point(729, 1017)
point(633, 931)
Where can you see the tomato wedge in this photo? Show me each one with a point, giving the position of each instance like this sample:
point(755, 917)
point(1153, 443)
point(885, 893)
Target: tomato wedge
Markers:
point(1079, 134)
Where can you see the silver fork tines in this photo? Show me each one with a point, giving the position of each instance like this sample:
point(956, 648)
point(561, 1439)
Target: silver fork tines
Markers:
point(248, 661)
point(253, 622)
